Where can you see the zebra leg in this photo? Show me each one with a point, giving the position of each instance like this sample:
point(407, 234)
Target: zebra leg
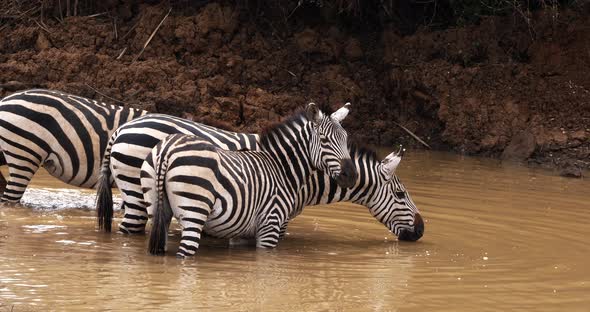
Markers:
point(20, 174)
point(283, 230)
point(135, 217)
point(127, 177)
point(268, 234)
point(192, 223)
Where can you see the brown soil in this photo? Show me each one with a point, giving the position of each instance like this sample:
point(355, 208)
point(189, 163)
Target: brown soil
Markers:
point(502, 88)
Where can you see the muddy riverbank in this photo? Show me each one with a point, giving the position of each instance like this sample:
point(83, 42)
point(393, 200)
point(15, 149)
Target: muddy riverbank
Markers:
point(505, 87)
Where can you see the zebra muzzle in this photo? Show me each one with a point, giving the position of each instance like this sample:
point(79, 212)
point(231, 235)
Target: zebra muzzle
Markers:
point(348, 174)
point(416, 233)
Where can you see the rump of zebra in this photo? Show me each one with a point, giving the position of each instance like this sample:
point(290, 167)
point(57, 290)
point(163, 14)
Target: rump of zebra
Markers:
point(64, 133)
point(128, 148)
point(240, 193)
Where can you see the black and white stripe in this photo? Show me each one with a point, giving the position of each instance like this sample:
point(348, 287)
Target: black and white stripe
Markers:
point(384, 194)
point(64, 133)
point(377, 187)
point(239, 193)
point(129, 147)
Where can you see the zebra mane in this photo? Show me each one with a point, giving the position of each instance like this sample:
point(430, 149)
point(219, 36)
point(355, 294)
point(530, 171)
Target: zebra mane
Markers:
point(274, 127)
point(359, 150)
point(296, 115)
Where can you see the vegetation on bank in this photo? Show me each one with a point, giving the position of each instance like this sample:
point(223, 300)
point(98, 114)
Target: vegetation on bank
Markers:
point(406, 15)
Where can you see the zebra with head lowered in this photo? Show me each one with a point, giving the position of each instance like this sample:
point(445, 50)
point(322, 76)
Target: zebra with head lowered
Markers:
point(64, 133)
point(240, 193)
point(377, 187)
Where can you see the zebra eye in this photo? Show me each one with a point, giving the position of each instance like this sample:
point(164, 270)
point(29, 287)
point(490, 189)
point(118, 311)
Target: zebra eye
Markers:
point(400, 194)
point(323, 139)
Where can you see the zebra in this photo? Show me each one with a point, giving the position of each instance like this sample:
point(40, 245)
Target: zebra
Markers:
point(380, 190)
point(64, 133)
point(240, 193)
point(130, 145)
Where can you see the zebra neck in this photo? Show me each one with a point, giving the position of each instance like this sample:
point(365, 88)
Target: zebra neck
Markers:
point(288, 145)
point(321, 189)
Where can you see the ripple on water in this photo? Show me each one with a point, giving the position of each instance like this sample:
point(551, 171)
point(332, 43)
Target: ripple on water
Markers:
point(41, 228)
point(60, 199)
point(497, 237)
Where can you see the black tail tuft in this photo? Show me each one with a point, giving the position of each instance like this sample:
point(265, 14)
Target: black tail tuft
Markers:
point(104, 201)
point(3, 181)
point(160, 223)
point(162, 213)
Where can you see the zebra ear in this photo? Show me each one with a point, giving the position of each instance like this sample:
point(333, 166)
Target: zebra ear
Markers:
point(313, 113)
point(341, 113)
point(391, 161)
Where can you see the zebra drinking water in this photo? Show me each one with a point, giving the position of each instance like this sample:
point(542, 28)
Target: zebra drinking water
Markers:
point(240, 193)
point(383, 194)
point(64, 133)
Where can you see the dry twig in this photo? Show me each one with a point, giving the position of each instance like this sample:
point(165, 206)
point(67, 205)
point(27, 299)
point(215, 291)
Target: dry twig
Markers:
point(108, 97)
point(41, 26)
point(97, 14)
point(121, 54)
point(132, 28)
point(152, 35)
point(413, 135)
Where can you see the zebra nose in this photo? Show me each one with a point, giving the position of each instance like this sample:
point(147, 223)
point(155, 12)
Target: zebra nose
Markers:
point(416, 234)
point(348, 174)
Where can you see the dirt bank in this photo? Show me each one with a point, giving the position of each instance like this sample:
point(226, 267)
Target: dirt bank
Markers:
point(501, 88)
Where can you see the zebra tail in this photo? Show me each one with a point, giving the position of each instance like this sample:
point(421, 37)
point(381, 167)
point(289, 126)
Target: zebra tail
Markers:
point(104, 200)
point(162, 215)
point(3, 181)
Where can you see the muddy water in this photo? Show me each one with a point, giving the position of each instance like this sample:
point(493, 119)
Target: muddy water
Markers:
point(498, 237)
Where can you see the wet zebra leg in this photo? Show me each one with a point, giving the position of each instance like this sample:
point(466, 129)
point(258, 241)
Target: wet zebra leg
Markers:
point(268, 234)
point(135, 217)
point(19, 177)
point(192, 222)
point(283, 230)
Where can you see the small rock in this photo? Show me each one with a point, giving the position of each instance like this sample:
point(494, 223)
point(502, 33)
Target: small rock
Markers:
point(520, 147)
point(571, 171)
point(42, 42)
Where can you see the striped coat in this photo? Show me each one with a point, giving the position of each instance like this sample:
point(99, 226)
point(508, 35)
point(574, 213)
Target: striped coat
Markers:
point(380, 190)
point(237, 193)
point(64, 133)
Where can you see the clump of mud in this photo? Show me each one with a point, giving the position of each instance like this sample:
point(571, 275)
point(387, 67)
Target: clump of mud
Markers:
point(501, 88)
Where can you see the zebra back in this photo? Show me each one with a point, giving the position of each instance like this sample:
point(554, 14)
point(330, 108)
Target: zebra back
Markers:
point(66, 134)
point(128, 148)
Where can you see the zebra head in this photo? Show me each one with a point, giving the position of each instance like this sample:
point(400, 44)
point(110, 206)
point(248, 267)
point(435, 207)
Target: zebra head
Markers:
point(328, 145)
point(391, 203)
